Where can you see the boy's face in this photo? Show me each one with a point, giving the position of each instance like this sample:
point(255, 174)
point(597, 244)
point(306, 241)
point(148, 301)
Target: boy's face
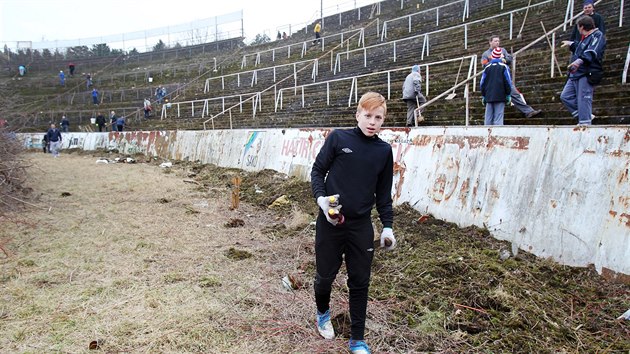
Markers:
point(370, 121)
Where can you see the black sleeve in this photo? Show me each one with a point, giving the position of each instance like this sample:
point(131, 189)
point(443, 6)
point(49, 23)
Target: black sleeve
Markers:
point(600, 24)
point(384, 192)
point(575, 35)
point(322, 164)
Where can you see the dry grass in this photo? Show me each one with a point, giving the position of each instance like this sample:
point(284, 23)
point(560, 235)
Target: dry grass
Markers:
point(122, 260)
point(134, 257)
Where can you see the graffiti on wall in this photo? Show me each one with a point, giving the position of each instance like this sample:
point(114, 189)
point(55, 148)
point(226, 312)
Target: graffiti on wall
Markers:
point(251, 150)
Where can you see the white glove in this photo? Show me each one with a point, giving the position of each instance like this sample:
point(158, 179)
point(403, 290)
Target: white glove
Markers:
point(388, 234)
point(573, 67)
point(324, 204)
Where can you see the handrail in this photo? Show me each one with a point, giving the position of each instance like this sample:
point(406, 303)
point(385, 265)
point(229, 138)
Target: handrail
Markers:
point(449, 28)
point(238, 74)
point(279, 92)
point(513, 61)
point(288, 46)
point(624, 75)
point(544, 36)
point(273, 86)
point(437, 9)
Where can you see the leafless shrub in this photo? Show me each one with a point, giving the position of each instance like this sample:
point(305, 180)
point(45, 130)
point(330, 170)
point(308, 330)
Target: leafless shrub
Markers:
point(12, 172)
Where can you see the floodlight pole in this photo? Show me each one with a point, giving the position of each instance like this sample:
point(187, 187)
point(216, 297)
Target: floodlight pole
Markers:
point(321, 12)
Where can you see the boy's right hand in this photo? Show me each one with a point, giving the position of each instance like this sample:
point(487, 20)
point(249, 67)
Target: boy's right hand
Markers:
point(324, 204)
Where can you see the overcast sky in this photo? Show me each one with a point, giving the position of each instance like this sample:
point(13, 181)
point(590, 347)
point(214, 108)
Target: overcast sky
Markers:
point(50, 20)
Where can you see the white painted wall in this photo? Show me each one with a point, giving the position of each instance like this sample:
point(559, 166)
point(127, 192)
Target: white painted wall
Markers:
point(559, 192)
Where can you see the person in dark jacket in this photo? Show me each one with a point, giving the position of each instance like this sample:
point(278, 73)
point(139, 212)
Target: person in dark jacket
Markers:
point(585, 70)
point(496, 85)
point(65, 124)
point(71, 68)
point(100, 122)
point(54, 140)
point(589, 10)
point(45, 143)
point(355, 168)
point(518, 100)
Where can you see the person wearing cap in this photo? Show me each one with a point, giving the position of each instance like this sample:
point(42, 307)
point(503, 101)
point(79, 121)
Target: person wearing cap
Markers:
point(517, 97)
point(589, 10)
point(62, 78)
point(585, 70)
point(496, 86)
point(412, 93)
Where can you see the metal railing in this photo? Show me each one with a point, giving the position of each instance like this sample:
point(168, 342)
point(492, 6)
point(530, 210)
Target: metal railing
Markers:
point(426, 37)
point(624, 75)
point(303, 46)
point(552, 32)
point(515, 54)
point(254, 78)
point(256, 97)
point(437, 16)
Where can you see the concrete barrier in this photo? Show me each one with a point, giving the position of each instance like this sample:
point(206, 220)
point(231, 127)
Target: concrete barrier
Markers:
point(558, 192)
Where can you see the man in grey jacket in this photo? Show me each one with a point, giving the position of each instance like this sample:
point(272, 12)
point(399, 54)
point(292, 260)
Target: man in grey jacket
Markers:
point(412, 93)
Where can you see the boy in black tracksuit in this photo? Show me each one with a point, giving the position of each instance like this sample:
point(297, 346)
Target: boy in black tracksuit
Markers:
point(357, 166)
point(496, 85)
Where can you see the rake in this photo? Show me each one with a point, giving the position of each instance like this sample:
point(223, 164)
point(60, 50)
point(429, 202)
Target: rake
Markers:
point(452, 95)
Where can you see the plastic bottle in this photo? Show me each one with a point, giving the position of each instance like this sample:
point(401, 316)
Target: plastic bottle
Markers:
point(334, 213)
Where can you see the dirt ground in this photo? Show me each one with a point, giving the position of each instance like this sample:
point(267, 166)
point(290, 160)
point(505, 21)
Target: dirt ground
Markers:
point(138, 258)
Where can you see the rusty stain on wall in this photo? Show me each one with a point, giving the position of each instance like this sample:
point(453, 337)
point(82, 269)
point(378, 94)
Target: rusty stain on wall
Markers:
point(473, 142)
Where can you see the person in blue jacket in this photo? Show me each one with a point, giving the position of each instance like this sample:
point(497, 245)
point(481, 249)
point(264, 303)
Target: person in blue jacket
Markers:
point(120, 123)
point(62, 78)
point(496, 86)
point(95, 96)
point(355, 167)
point(585, 70)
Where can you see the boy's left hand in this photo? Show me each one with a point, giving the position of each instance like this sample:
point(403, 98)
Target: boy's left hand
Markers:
point(388, 241)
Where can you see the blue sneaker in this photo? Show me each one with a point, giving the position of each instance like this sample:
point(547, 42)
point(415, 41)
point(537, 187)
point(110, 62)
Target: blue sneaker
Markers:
point(324, 326)
point(358, 347)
